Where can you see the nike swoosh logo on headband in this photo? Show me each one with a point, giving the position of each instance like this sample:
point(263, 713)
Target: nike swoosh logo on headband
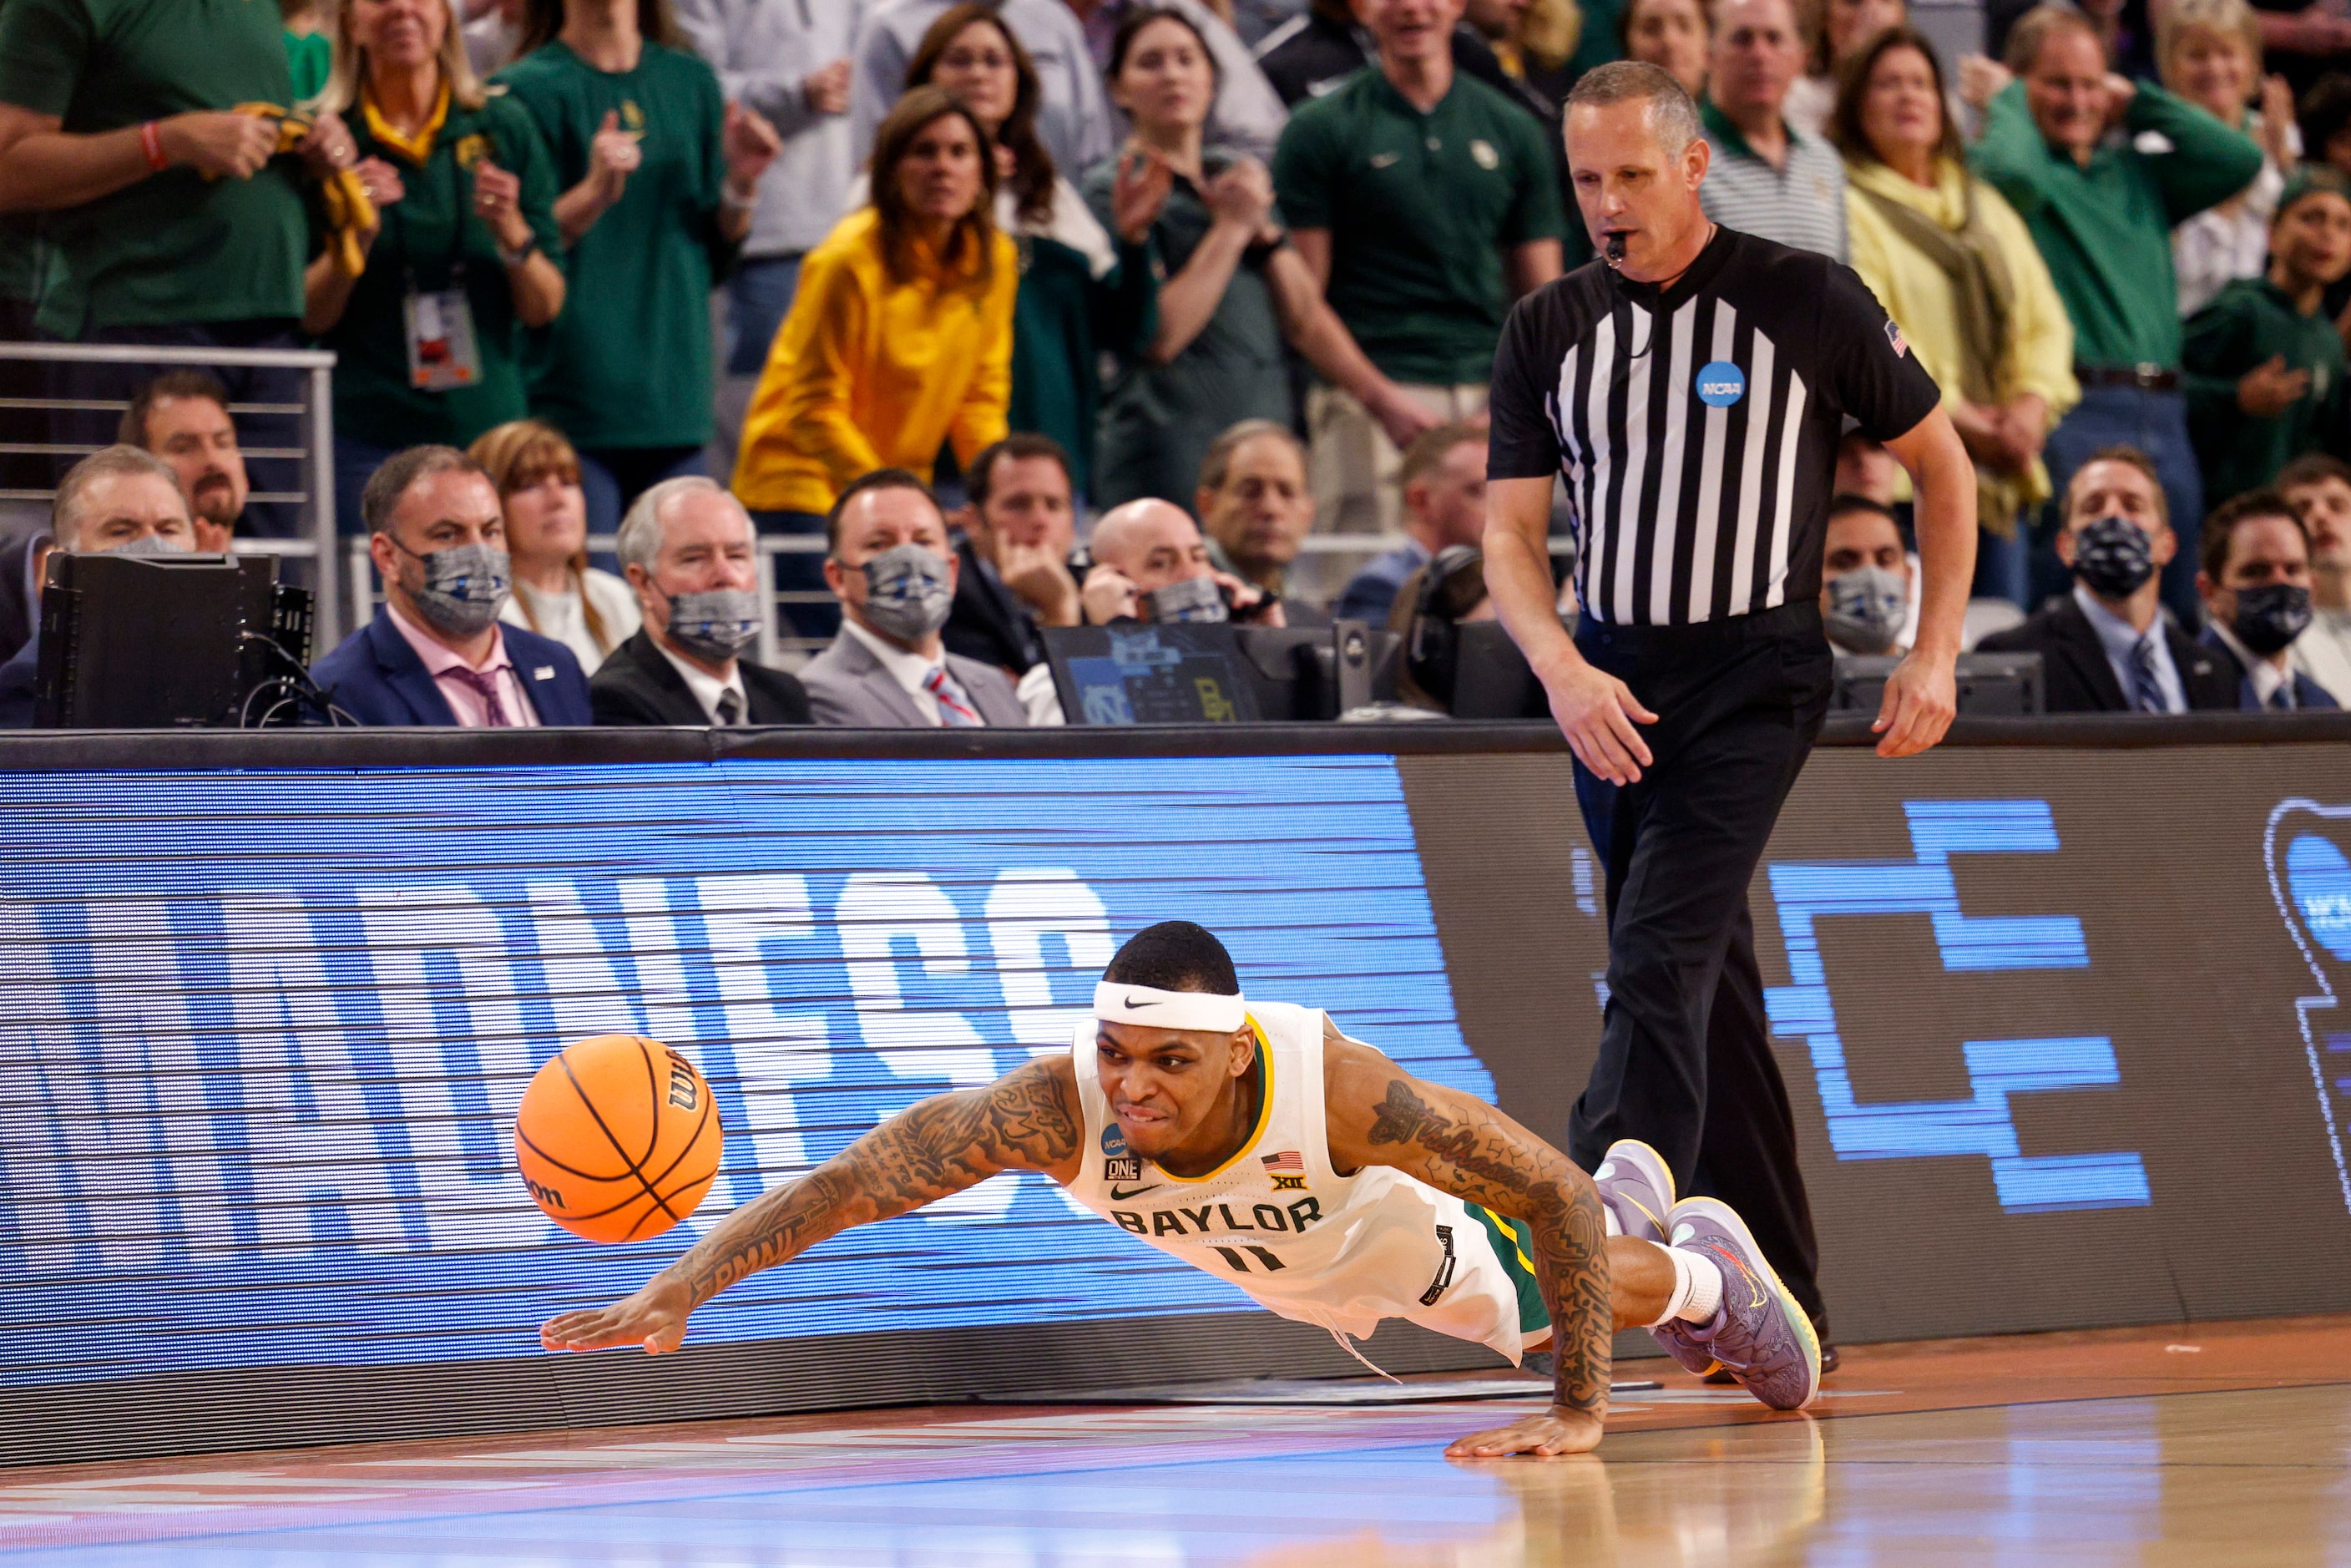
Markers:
point(1133, 1003)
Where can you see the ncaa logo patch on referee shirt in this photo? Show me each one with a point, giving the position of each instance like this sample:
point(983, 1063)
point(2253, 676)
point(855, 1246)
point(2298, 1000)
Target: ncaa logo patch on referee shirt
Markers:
point(1720, 384)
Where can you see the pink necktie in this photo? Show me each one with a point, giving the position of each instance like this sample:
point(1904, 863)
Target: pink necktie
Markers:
point(484, 684)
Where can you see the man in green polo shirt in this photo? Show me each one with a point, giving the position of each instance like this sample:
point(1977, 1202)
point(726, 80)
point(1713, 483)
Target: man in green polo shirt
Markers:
point(173, 218)
point(1426, 203)
point(2101, 208)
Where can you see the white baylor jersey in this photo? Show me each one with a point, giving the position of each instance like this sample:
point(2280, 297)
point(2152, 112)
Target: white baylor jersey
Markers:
point(1339, 1252)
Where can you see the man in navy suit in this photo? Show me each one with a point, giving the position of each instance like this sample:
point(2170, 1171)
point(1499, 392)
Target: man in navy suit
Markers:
point(435, 653)
point(2256, 590)
point(2108, 647)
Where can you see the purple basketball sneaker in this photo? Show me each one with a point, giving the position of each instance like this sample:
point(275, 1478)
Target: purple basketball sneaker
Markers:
point(1759, 1335)
point(1638, 1189)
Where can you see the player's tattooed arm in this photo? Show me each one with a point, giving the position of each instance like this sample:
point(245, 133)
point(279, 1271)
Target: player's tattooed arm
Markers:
point(1380, 1114)
point(1027, 1120)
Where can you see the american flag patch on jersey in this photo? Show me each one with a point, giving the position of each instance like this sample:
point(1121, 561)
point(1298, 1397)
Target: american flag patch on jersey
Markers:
point(1894, 335)
point(1288, 1160)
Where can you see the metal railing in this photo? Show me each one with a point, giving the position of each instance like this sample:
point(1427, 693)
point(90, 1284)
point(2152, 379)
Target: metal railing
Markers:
point(316, 496)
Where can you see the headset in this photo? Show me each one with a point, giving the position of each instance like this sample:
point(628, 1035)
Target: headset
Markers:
point(1450, 587)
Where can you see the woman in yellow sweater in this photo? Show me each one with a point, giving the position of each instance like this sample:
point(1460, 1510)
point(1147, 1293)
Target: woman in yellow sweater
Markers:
point(1957, 270)
point(900, 337)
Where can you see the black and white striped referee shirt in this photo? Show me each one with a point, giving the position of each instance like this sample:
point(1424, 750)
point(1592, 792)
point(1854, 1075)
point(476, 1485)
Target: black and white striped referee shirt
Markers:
point(1698, 427)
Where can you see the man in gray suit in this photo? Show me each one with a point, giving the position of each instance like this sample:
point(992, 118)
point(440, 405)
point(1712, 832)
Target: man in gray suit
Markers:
point(889, 564)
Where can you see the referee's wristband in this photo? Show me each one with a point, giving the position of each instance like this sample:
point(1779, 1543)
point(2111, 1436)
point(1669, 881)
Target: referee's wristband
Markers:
point(151, 142)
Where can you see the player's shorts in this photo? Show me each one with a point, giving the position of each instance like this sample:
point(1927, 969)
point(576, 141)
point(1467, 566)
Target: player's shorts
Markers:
point(1514, 1252)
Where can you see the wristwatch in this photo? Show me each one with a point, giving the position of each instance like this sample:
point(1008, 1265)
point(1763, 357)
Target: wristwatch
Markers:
point(521, 254)
point(1260, 250)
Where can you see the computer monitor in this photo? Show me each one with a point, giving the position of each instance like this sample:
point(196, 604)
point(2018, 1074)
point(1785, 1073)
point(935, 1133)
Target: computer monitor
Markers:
point(1992, 686)
point(1189, 671)
point(1491, 679)
point(167, 641)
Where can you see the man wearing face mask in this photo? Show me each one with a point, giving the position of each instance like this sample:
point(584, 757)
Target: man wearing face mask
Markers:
point(889, 562)
point(2255, 585)
point(1151, 564)
point(435, 653)
point(687, 548)
point(2108, 648)
point(118, 501)
point(1864, 578)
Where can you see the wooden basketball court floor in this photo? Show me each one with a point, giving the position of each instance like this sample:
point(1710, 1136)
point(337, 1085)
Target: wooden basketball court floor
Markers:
point(2223, 1443)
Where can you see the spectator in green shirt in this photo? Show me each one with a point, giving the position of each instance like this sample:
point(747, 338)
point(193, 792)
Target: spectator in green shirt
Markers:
point(464, 196)
point(659, 176)
point(175, 219)
point(2101, 208)
point(2266, 372)
point(1233, 288)
point(1425, 203)
point(309, 52)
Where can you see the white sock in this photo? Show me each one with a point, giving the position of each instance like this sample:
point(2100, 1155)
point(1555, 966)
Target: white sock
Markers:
point(1697, 1287)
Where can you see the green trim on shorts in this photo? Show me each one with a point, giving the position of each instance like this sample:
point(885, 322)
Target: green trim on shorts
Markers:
point(1514, 1245)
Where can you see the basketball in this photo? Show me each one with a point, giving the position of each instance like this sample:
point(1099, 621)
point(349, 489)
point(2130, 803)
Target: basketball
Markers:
point(618, 1138)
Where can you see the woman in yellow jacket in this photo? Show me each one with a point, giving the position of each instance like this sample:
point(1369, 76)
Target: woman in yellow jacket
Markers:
point(899, 340)
point(1957, 270)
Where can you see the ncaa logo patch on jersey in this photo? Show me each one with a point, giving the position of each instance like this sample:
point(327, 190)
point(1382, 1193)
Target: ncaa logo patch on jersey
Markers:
point(1720, 384)
point(1113, 1140)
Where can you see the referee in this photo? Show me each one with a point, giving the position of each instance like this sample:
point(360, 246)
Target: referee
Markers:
point(1691, 389)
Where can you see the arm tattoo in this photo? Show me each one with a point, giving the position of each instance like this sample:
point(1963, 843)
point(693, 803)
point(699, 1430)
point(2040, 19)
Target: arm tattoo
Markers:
point(942, 1145)
point(1493, 1165)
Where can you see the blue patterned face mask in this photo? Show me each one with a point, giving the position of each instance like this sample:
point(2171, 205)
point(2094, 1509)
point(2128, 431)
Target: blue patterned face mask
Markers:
point(464, 587)
point(716, 624)
point(2271, 616)
point(1190, 599)
point(908, 593)
point(2114, 557)
point(146, 544)
point(1866, 608)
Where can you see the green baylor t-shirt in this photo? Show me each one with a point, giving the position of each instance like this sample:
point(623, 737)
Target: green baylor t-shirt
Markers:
point(432, 236)
point(628, 362)
point(175, 246)
point(1421, 209)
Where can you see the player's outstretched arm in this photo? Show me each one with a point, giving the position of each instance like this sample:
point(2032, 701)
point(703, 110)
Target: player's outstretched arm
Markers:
point(1380, 1114)
point(1026, 1120)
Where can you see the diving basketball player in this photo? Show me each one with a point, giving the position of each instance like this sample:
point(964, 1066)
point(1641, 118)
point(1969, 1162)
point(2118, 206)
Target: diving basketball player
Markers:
point(1253, 1140)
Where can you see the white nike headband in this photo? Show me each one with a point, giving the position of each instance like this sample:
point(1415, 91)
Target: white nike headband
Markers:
point(1155, 1008)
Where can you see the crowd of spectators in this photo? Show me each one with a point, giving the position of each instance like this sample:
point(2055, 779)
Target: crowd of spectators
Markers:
point(1056, 312)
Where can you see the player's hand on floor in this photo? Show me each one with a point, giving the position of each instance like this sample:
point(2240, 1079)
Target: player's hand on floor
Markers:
point(1558, 1430)
point(1922, 697)
point(654, 1318)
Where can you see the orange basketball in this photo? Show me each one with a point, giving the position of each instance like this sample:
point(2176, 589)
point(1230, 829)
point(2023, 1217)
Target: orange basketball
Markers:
point(618, 1138)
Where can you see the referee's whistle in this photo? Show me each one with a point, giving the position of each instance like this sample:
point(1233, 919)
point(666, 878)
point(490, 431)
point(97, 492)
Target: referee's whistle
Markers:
point(1617, 248)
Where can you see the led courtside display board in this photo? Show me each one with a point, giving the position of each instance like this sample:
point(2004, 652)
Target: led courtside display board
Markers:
point(2059, 1025)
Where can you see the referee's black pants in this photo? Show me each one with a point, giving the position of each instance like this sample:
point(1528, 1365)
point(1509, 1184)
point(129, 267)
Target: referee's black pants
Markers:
point(1686, 1062)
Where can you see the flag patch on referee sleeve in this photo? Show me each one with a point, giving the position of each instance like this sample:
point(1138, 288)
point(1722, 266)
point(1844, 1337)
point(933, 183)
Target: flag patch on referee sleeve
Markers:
point(1288, 1160)
point(1894, 335)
